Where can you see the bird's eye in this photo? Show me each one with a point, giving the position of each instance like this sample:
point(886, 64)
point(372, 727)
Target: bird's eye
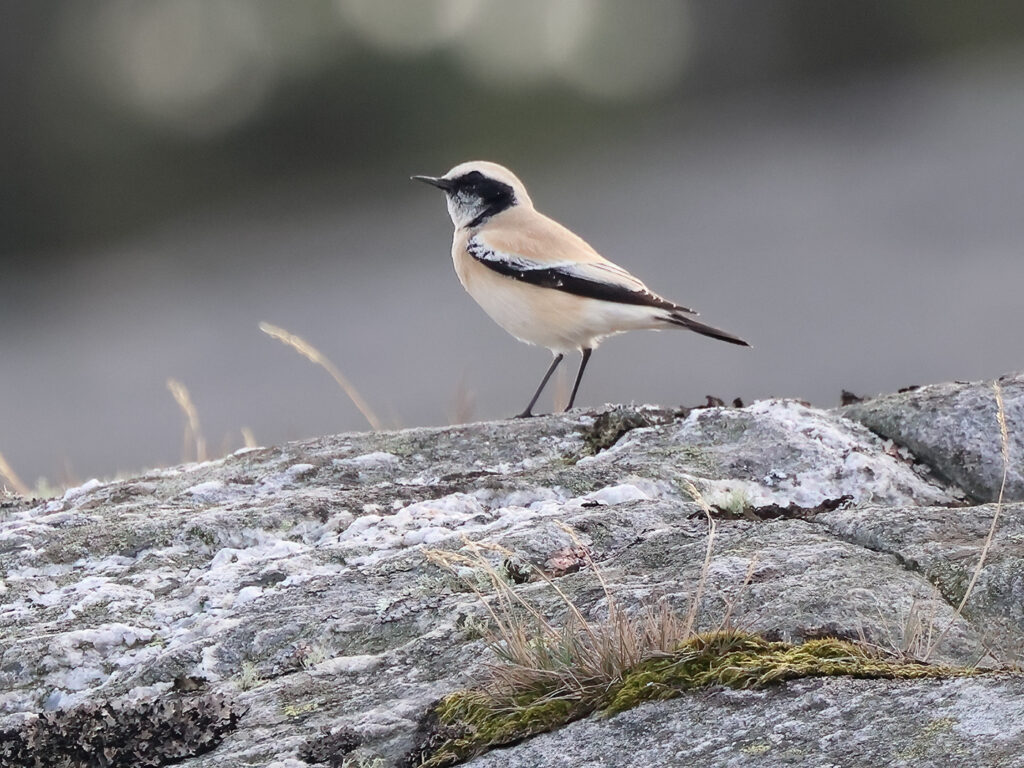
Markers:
point(473, 177)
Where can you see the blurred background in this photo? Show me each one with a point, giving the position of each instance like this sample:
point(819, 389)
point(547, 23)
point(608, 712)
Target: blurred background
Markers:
point(839, 182)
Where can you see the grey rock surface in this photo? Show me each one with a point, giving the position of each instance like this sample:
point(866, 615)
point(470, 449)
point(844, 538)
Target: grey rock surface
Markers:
point(953, 428)
point(931, 541)
point(293, 579)
point(831, 722)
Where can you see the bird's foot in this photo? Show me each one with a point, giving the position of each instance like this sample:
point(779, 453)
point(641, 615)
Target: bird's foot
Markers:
point(527, 414)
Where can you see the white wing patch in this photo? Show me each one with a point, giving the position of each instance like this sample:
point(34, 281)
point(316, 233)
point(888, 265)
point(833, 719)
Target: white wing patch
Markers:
point(600, 280)
point(480, 251)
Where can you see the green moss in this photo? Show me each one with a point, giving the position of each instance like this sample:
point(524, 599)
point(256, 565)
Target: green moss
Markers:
point(747, 661)
point(468, 723)
point(470, 726)
point(298, 710)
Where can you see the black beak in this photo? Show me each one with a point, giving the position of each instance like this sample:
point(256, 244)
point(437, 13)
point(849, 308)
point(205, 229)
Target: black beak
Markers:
point(433, 181)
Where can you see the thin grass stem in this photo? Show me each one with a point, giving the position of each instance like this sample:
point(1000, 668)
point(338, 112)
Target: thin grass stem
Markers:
point(314, 355)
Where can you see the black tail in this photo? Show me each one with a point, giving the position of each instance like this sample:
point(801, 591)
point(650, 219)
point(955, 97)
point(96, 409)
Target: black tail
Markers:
point(684, 321)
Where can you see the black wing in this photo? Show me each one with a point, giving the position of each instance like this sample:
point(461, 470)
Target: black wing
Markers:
point(601, 280)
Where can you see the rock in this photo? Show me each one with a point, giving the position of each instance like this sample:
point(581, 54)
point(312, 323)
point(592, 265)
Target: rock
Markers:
point(826, 722)
point(776, 452)
point(148, 733)
point(935, 542)
point(953, 428)
point(291, 582)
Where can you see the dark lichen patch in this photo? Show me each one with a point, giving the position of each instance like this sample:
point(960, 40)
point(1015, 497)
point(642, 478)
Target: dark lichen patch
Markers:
point(95, 542)
point(712, 401)
point(611, 425)
point(791, 511)
point(121, 735)
point(468, 723)
point(12, 501)
point(330, 747)
point(202, 534)
point(794, 511)
point(432, 740)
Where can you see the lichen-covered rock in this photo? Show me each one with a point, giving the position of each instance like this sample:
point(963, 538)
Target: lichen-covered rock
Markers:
point(776, 452)
point(293, 581)
point(121, 735)
point(954, 429)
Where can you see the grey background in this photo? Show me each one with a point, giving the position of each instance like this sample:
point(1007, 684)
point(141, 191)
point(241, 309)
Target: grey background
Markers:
point(840, 183)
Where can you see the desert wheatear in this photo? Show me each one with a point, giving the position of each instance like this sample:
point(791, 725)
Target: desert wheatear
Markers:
point(541, 282)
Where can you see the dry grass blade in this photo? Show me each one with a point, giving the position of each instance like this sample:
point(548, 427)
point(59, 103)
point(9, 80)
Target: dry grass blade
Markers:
point(248, 438)
point(503, 591)
point(907, 638)
point(1004, 448)
point(464, 405)
point(314, 355)
point(730, 605)
point(691, 616)
point(192, 432)
point(1004, 435)
point(12, 479)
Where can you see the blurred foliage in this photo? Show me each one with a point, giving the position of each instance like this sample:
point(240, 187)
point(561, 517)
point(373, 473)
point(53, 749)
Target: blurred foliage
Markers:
point(120, 113)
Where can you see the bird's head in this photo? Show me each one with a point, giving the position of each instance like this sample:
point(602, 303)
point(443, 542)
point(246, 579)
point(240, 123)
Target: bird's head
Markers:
point(478, 190)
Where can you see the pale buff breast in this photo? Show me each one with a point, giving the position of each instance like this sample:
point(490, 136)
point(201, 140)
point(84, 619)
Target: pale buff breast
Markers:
point(560, 321)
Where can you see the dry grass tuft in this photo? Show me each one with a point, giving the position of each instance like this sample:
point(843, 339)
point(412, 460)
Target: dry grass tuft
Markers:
point(314, 355)
point(8, 475)
point(193, 434)
point(909, 637)
point(580, 660)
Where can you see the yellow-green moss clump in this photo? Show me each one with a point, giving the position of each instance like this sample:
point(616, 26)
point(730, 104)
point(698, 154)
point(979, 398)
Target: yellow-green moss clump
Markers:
point(468, 723)
point(747, 661)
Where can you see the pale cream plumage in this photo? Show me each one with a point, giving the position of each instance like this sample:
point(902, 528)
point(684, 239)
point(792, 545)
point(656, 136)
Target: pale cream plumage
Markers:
point(562, 322)
point(539, 281)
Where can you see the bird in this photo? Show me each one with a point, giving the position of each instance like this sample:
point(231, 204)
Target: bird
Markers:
point(540, 281)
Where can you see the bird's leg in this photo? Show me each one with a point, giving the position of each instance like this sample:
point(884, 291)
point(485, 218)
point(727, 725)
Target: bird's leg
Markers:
point(543, 382)
point(579, 377)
